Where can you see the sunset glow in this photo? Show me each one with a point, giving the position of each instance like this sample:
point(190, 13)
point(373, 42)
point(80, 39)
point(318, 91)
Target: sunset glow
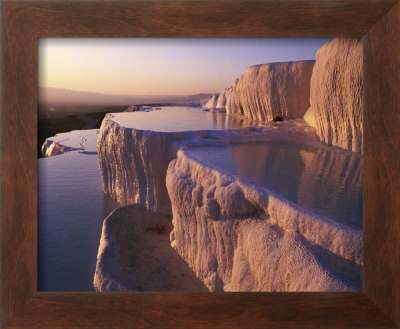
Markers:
point(159, 66)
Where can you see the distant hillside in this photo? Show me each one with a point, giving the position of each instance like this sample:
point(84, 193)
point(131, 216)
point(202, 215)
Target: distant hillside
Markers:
point(64, 100)
point(62, 110)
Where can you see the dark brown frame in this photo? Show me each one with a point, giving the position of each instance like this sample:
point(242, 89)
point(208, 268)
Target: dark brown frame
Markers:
point(23, 22)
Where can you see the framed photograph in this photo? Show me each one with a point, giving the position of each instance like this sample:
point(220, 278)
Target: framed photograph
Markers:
point(29, 296)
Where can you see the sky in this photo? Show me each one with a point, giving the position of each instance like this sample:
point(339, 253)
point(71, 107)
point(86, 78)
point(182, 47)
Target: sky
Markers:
point(151, 66)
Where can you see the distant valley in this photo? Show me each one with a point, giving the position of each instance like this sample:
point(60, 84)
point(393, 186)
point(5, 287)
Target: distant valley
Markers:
point(62, 110)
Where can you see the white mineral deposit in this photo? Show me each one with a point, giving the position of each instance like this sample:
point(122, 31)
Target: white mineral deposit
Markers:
point(256, 188)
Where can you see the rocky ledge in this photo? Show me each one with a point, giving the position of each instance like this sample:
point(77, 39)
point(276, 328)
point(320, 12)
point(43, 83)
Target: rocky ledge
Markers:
point(133, 162)
point(269, 90)
point(336, 94)
point(135, 255)
point(238, 237)
point(233, 235)
point(77, 140)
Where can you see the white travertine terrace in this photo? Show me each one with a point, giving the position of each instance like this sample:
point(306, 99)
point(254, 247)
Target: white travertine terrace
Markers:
point(237, 237)
point(268, 90)
point(132, 257)
point(212, 102)
point(133, 162)
point(221, 101)
point(216, 218)
point(76, 140)
point(336, 94)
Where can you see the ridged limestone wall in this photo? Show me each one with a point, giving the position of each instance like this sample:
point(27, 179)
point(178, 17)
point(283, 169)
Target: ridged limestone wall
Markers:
point(268, 90)
point(237, 238)
point(336, 94)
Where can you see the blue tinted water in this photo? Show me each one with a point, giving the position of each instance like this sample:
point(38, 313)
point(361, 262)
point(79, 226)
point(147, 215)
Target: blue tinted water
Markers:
point(72, 207)
point(326, 182)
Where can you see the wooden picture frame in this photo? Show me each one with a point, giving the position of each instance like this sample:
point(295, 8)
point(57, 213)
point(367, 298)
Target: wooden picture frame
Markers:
point(23, 22)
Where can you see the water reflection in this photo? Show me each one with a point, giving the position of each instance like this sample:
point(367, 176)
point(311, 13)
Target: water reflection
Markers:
point(326, 182)
point(172, 119)
point(332, 184)
point(71, 208)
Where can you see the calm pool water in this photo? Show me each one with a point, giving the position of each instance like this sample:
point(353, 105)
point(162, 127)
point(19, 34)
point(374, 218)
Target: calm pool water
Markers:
point(72, 207)
point(71, 202)
point(170, 119)
point(327, 183)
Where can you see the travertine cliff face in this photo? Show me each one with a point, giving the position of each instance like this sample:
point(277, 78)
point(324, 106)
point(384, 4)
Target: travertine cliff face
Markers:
point(224, 97)
point(134, 256)
point(223, 101)
point(233, 235)
point(237, 238)
point(267, 90)
point(336, 94)
point(51, 148)
point(212, 102)
point(133, 163)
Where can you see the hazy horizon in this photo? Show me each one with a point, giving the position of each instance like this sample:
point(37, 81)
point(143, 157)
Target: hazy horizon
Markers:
point(151, 66)
point(118, 95)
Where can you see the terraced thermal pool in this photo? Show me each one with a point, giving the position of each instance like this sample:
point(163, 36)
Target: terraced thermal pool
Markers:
point(324, 181)
point(176, 118)
point(327, 182)
point(82, 140)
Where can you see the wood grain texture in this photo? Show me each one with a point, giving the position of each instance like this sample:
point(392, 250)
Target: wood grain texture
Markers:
point(24, 22)
point(382, 164)
point(19, 168)
point(200, 18)
point(202, 310)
